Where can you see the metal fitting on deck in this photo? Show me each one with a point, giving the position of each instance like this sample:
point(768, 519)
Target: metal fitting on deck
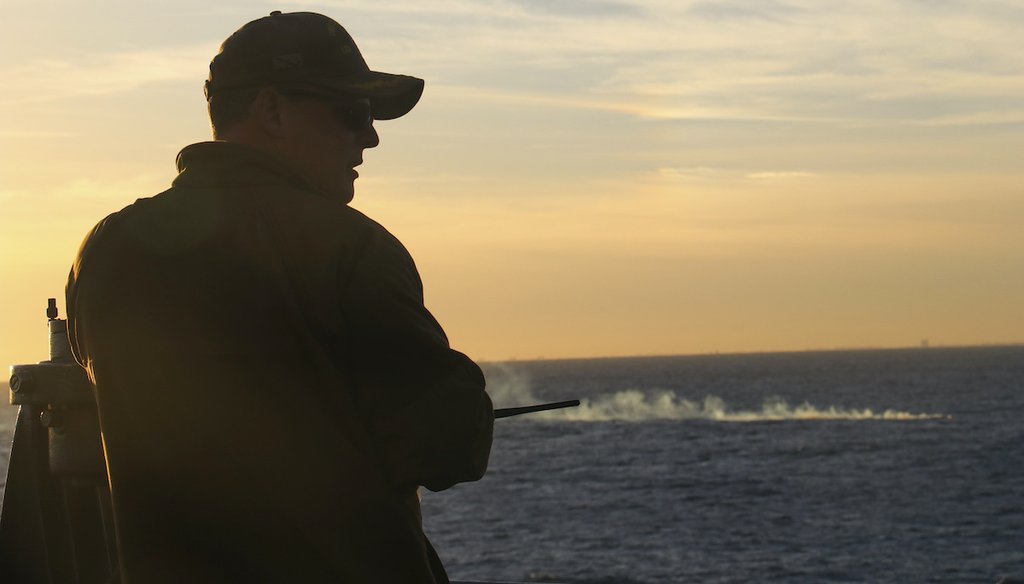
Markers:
point(21, 382)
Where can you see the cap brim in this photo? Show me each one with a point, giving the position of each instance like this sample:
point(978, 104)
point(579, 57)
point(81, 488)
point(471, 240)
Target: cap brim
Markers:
point(391, 96)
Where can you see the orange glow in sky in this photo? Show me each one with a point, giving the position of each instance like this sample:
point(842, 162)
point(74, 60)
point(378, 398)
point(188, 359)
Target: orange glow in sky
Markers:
point(590, 178)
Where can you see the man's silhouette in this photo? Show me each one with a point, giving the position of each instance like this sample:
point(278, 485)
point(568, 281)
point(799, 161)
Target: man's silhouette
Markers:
point(271, 389)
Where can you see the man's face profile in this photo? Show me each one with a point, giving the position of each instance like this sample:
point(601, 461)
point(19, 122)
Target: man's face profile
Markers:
point(319, 141)
point(315, 92)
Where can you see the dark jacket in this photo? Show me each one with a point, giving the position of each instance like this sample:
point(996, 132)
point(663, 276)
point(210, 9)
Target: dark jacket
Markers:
point(271, 388)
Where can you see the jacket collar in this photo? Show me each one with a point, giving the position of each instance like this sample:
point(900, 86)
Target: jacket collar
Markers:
point(230, 164)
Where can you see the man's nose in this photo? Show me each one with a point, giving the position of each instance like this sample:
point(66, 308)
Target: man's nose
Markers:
point(369, 137)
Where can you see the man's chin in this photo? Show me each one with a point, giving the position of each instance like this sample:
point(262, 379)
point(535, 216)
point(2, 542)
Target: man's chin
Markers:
point(347, 194)
point(344, 192)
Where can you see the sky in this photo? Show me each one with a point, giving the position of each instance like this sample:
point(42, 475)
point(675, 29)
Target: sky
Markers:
point(588, 178)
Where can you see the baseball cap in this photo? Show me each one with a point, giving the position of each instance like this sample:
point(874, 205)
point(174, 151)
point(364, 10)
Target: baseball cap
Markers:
point(308, 48)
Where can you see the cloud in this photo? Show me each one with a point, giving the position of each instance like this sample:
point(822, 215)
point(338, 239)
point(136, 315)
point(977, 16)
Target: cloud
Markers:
point(579, 9)
point(869, 62)
point(694, 173)
point(705, 173)
point(86, 74)
point(797, 60)
point(726, 10)
point(35, 134)
point(985, 118)
point(779, 175)
point(68, 196)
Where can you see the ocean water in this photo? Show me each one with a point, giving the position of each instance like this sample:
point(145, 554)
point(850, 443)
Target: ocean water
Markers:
point(844, 466)
point(849, 466)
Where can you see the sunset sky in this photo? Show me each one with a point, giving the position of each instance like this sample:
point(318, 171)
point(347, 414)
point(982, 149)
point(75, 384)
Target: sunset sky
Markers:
point(616, 177)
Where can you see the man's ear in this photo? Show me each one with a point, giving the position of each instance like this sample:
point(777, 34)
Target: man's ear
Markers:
point(266, 110)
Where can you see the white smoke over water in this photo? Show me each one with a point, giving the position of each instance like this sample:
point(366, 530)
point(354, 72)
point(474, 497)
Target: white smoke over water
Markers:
point(637, 406)
point(632, 405)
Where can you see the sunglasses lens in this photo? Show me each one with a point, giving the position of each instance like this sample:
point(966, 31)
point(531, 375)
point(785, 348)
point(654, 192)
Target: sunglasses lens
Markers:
point(357, 115)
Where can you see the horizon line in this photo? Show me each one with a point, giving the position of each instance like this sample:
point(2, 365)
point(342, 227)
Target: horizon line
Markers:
point(841, 349)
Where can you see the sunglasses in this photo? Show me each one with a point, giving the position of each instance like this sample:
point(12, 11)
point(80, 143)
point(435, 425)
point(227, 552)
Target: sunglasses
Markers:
point(356, 115)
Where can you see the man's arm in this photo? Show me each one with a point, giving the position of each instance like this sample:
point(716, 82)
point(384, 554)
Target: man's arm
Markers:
point(424, 403)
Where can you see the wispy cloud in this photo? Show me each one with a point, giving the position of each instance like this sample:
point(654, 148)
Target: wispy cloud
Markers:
point(705, 173)
point(738, 59)
point(34, 134)
point(986, 118)
point(779, 175)
point(103, 73)
point(68, 196)
point(659, 59)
